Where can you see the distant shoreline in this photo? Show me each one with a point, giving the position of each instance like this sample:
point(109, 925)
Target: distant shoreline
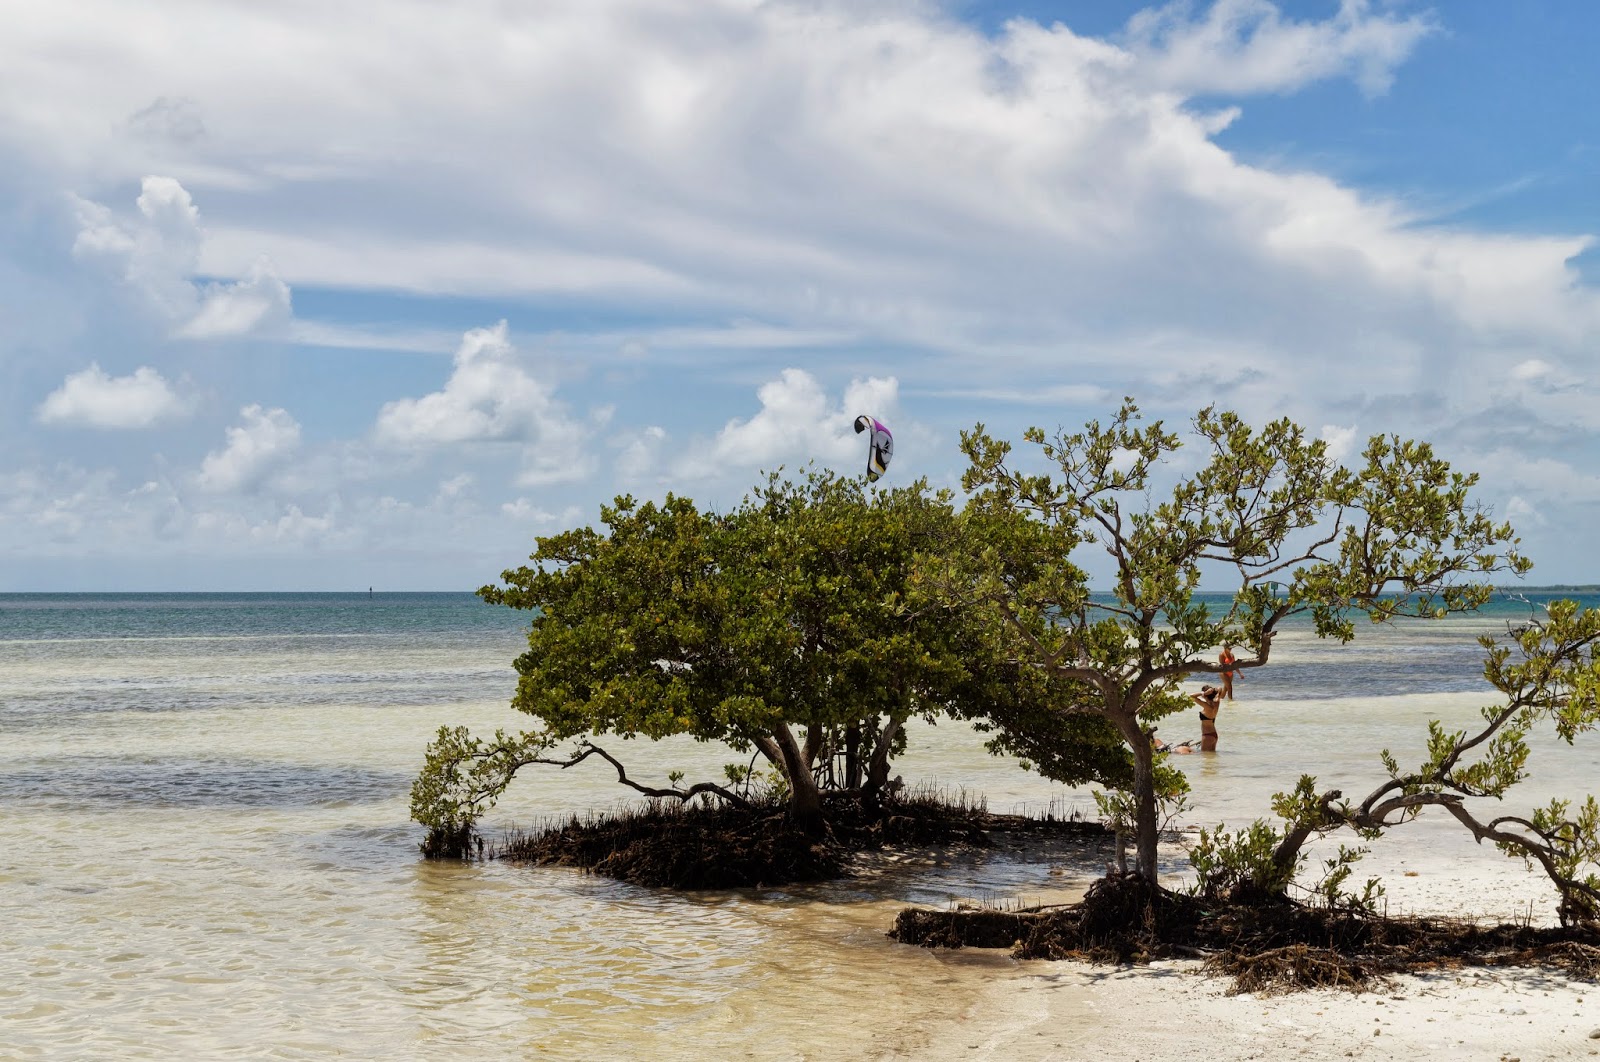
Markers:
point(1553, 588)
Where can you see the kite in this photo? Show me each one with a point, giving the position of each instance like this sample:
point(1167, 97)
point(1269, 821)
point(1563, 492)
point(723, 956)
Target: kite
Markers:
point(880, 446)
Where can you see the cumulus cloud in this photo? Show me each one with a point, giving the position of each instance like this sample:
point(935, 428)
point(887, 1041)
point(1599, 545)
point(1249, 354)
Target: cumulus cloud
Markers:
point(263, 441)
point(640, 452)
point(1531, 370)
point(876, 171)
point(1341, 440)
point(258, 303)
point(157, 253)
point(524, 513)
point(94, 399)
point(797, 423)
point(1030, 216)
point(872, 169)
point(491, 397)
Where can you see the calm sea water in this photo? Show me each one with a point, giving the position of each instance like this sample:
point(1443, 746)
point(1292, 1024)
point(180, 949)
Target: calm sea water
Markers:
point(204, 804)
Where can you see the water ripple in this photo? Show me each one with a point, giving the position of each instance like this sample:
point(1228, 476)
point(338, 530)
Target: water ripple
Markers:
point(117, 781)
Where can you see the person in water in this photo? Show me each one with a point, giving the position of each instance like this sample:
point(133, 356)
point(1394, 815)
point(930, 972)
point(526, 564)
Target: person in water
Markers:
point(1225, 659)
point(1182, 748)
point(1210, 701)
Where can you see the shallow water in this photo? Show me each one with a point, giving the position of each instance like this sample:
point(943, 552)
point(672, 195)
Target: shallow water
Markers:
point(204, 798)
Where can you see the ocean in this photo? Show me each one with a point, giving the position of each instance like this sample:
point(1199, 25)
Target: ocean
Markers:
point(203, 799)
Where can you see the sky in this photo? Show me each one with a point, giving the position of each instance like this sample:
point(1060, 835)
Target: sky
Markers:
point(306, 296)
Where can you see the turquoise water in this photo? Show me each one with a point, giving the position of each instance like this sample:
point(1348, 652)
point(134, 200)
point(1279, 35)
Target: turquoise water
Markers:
point(209, 855)
point(43, 617)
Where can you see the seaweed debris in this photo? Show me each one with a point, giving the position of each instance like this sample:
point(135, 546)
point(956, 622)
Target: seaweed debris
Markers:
point(1267, 947)
point(670, 845)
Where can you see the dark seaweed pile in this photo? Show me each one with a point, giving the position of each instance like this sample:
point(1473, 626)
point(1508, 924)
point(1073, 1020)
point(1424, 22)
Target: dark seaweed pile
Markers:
point(670, 845)
point(1265, 947)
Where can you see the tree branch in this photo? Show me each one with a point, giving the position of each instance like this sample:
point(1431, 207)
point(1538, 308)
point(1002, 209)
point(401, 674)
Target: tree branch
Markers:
point(685, 795)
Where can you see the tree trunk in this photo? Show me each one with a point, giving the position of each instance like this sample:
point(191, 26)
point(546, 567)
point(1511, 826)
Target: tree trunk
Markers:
point(878, 768)
point(805, 805)
point(852, 762)
point(805, 799)
point(1286, 857)
point(1144, 794)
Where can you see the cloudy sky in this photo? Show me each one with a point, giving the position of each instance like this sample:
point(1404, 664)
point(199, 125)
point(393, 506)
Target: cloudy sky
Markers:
point(320, 296)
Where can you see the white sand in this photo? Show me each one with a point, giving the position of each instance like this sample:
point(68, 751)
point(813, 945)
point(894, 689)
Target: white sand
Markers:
point(1168, 1011)
point(1171, 1011)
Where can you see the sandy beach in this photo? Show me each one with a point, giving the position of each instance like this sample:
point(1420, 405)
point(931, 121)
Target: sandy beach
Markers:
point(1169, 1011)
point(1172, 1010)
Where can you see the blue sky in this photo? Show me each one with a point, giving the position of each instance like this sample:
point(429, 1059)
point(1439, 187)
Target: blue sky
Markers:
point(295, 298)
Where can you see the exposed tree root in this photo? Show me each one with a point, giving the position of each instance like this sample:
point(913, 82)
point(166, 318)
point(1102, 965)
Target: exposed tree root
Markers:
point(1295, 967)
point(1265, 947)
point(667, 844)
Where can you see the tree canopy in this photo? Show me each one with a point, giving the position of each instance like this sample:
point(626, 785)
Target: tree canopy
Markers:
point(1547, 673)
point(1397, 535)
point(780, 627)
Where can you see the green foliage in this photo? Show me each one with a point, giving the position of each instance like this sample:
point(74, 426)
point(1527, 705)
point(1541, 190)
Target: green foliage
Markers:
point(1397, 535)
point(1249, 865)
point(1120, 812)
point(1573, 844)
point(1240, 865)
point(1336, 871)
point(677, 621)
point(462, 776)
point(789, 612)
point(1548, 675)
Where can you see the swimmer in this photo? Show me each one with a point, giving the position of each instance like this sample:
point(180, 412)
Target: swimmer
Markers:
point(1225, 659)
point(1210, 701)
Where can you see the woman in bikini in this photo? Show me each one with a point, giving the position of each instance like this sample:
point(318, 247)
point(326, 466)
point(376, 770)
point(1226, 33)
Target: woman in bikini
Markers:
point(1210, 701)
point(1225, 660)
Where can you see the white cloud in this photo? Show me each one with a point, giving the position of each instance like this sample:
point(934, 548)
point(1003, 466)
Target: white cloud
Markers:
point(1522, 512)
point(1029, 217)
point(94, 399)
point(1341, 440)
point(872, 170)
point(158, 253)
point(525, 513)
point(797, 423)
point(455, 486)
point(1038, 395)
point(640, 454)
point(262, 443)
point(876, 175)
point(258, 303)
point(155, 253)
point(490, 397)
point(296, 526)
point(1247, 46)
point(523, 509)
point(1532, 369)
